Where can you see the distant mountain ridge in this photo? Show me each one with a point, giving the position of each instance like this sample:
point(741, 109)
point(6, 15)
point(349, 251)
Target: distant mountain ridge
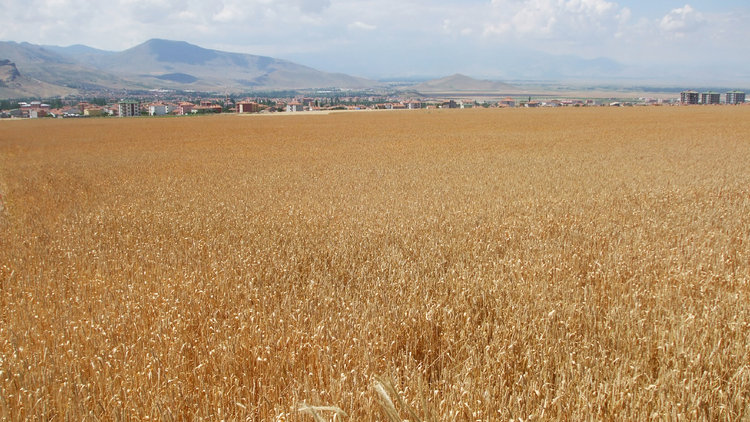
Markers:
point(159, 63)
point(65, 72)
point(217, 69)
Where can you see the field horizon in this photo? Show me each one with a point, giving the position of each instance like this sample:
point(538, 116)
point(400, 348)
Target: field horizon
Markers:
point(486, 264)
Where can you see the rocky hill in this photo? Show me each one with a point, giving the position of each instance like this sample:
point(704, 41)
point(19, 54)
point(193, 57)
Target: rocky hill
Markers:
point(15, 85)
point(8, 72)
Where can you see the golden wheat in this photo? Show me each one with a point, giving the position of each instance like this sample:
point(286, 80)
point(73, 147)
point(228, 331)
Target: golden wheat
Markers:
point(435, 265)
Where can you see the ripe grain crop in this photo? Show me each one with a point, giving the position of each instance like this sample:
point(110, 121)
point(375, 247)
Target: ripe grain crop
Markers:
point(570, 264)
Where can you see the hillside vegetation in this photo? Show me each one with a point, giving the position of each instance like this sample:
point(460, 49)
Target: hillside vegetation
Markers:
point(567, 264)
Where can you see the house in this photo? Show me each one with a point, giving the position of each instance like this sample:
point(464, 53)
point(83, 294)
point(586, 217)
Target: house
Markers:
point(206, 106)
point(248, 107)
point(294, 106)
point(83, 105)
point(204, 109)
point(185, 108)
point(449, 104)
point(56, 112)
point(413, 104)
point(158, 109)
point(71, 112)
point(33, 109)
point(128, 108)
point(507, 102)
point(93, 112)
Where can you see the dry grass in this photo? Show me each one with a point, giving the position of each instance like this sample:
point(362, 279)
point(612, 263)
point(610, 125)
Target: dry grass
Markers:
point(534, 264)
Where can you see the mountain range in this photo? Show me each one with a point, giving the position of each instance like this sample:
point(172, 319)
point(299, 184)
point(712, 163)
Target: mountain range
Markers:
point(157, 63)
point(29, 70)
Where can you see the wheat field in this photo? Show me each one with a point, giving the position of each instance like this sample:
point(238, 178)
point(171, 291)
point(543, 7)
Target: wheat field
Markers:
point(467, 265)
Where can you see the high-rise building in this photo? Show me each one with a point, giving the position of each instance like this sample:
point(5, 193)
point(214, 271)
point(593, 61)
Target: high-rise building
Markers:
point(710, 98)
point(735, 97)
point(128, 108)
point(689, 97)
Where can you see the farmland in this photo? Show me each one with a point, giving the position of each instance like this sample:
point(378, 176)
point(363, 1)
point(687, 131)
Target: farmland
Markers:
point(570, 264)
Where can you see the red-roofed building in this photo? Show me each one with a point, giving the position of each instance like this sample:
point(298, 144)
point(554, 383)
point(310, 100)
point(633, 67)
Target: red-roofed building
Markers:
point(294, 106)
point(413, 104)
point(34, 109)
point(248, 107)
point(185, 108)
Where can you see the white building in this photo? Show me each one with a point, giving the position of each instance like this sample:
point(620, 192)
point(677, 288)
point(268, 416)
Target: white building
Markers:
point(294, 106)
point(413, 104)
point(159, 109)
point(128, 108)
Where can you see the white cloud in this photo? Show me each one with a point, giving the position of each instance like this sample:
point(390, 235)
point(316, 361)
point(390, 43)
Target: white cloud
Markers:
point(429, 32)
point(362, 26)
point(463, 28)
point(231, 13)
point(555, 18)
point(682, 20)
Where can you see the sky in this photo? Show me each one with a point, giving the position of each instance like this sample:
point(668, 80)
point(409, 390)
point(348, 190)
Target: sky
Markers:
point(391, 38)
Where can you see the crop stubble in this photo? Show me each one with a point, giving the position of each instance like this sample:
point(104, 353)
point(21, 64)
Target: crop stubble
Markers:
point(495, 264)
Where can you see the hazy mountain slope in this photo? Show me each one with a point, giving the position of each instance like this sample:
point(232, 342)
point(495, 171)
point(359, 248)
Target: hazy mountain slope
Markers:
point(81, 54)
point(167, 64)
point(67, 71)
point(462, 83)
point(448, 56)
point(175, 63)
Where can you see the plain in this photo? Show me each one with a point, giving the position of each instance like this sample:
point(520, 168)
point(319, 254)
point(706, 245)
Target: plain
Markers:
point(589, 263)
